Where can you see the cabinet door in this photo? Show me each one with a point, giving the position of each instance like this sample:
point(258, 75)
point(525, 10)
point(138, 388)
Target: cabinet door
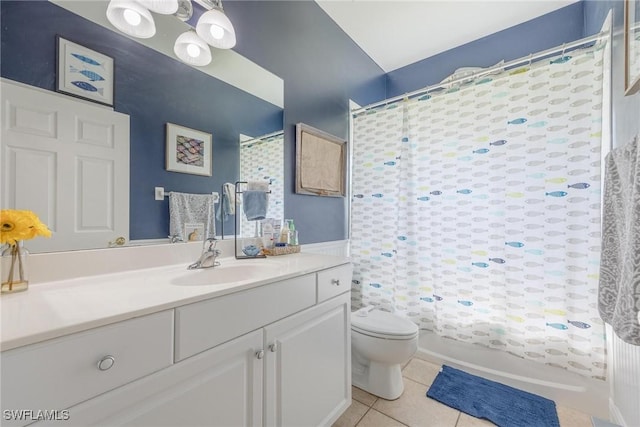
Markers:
point(220, 387)
point(308, 366)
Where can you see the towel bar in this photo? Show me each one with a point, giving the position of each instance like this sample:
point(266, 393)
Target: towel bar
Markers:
point(160, 194)
point(235, 222)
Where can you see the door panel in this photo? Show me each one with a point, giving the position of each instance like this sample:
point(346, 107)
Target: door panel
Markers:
point(68, 161)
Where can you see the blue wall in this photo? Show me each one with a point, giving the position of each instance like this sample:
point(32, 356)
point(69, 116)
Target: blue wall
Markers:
point(544, 32)
point(322, 68)
point(150, 87)
point(595, 12)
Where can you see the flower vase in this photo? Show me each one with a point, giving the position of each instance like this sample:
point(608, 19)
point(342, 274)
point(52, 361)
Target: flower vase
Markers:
point(15, 259)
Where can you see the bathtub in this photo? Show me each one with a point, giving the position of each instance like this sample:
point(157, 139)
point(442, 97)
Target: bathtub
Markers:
point(566, 388)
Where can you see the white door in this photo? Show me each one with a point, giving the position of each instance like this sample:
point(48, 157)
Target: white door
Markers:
point(68, 161)
point(220, 387)
point(308, 371)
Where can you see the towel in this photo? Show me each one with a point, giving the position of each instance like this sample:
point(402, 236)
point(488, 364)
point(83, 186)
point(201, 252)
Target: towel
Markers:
point(185, 208)
point(228, 205)
point(619, 287)
point(258, 186)
point(255, 204)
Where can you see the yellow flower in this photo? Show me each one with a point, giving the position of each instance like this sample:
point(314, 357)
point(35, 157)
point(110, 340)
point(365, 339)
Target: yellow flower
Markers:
point(18, 225)
point(37, 227)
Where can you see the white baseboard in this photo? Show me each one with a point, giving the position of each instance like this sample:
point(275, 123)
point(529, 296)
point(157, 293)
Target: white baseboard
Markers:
point(615, 414)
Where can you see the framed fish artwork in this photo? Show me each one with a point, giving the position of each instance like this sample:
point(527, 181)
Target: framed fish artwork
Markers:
point(188, 150)
point(84, 73)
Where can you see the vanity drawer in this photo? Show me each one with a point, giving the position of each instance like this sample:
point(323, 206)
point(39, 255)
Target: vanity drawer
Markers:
point(61, 372)
point(334, 281)
point(204, 325)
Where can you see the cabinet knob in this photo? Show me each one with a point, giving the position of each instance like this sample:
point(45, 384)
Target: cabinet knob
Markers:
point(335, 282)
point(260, 354)
point(106, 363)
point(273, 347)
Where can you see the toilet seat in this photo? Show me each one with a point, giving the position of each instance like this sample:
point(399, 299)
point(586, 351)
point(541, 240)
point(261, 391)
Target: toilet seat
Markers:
point(381, 324)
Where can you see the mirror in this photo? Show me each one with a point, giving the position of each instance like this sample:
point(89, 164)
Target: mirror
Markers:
point(230, 97)
point(262, 160)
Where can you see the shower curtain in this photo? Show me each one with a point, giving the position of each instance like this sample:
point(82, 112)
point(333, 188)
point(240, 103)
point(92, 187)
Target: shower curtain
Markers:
point(476, 211)
point(263, 161)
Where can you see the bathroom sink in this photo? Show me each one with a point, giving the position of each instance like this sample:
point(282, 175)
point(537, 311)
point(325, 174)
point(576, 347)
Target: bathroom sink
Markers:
point(227, 273)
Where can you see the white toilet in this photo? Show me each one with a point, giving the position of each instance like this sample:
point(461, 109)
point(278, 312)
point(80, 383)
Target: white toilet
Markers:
point(381, 342)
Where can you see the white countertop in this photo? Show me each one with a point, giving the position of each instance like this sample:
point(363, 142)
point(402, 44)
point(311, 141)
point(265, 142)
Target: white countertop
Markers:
point(53, 309)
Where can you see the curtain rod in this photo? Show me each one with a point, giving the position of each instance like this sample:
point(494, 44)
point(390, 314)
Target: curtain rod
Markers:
point(259, 138)
point(515, 62)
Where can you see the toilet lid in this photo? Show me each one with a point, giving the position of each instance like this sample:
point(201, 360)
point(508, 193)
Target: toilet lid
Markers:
point(382, 322)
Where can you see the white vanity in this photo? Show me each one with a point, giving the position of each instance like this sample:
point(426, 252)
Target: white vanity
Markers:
point(267, 344)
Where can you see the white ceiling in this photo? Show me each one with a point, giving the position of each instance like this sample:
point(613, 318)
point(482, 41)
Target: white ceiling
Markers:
point(395, 33)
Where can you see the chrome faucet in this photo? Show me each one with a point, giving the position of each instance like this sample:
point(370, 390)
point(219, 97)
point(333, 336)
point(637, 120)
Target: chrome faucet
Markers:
point(208, 257)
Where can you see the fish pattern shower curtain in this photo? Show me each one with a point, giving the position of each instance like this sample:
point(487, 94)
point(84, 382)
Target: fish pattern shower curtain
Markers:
point(263, 161)
point(476, 211)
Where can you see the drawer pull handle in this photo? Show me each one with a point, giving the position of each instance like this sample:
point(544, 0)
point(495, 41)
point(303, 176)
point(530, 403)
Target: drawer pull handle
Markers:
point(335, 282)
point(260, 354)
point(273, 347)
point(106, 363)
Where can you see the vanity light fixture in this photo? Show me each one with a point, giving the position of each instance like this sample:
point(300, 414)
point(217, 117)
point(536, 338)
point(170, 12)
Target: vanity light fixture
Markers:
point(192, 50)
point(215, 27)
point(185, 10)
point(163, 7)
point(131, 18)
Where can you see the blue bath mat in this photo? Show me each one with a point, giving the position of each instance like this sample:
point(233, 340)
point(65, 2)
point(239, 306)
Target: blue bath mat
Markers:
point(502, 405)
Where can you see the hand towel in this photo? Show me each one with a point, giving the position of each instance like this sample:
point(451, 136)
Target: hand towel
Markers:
point(185, 208)
point(258, 186)
point(619, 287)
point(255, 204)
point(229, 201)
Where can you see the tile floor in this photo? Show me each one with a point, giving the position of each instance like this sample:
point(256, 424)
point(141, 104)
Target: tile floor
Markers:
point(414, 409)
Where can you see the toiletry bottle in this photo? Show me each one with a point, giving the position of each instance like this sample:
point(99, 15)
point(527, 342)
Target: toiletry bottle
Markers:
point(284, 233)
point(277, 228)
point(267, 233)
point(293, 233)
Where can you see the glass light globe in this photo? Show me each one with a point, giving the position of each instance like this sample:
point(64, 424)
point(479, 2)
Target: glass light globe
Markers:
point(215, 28)
point(217, 32)
point(193, 50)
point(164, 7)
point(132, 17)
